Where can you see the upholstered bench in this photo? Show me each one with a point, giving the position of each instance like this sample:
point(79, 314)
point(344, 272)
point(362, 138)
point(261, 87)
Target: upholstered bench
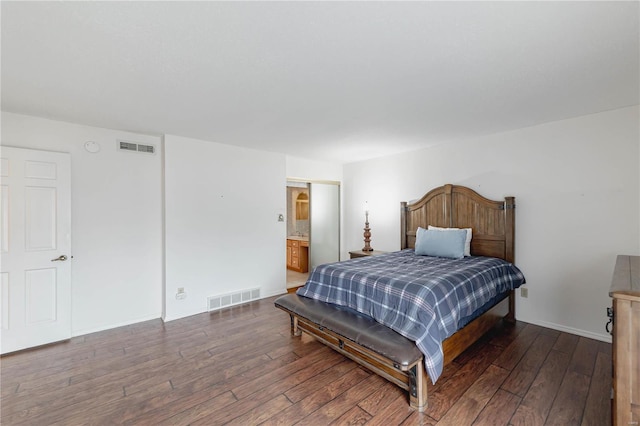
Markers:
point(362, 339)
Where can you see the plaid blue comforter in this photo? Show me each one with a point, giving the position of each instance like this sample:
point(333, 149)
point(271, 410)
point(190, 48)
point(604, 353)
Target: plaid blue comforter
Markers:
point(425, 299)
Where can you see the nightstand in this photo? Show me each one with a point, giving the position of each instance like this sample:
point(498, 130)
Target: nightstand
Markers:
point(359, 253)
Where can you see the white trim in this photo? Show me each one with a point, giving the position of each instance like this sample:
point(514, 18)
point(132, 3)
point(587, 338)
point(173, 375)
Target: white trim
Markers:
point(601, 337)
point(304, 180)
point(275, 293)
point(77, 333)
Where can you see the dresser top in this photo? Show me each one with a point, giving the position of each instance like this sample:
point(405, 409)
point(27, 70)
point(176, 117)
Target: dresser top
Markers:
point(625, 283)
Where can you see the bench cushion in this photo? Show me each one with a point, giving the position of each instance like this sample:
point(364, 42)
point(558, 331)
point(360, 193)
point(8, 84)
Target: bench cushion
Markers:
point(354, 326)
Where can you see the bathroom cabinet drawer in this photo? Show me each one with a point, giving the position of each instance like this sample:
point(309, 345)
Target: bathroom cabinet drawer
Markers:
point(298, 255)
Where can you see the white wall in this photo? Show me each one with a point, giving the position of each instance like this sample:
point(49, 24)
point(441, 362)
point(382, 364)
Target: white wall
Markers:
point(116, 220)
point(577, 189)
point(221, 230)
point(576, 182)
point(312, 170)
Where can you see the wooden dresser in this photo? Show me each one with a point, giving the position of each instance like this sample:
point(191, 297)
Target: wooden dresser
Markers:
point(625, 291)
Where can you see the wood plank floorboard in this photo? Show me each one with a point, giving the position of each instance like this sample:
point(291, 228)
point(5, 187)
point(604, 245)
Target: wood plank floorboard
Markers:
point(535, 406)
point(240, 366)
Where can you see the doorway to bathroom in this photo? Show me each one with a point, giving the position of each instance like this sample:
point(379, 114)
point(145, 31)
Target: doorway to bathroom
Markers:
point(313, 228)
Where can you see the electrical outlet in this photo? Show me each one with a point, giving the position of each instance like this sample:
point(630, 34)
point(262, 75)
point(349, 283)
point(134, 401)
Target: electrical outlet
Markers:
point(524, 292)
point(180, 295)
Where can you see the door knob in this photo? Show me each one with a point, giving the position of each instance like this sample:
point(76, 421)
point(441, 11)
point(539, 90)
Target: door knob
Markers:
point(61, 258)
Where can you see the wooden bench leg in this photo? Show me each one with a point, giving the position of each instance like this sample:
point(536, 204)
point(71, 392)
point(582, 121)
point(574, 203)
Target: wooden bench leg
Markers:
point(295, 331)
point(418, 387)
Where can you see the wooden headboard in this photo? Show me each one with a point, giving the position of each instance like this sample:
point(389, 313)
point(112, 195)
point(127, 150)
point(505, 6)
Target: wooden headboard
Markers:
point(452, 206)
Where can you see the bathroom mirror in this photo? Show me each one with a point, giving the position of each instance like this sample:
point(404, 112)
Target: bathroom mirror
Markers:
point(302, 206)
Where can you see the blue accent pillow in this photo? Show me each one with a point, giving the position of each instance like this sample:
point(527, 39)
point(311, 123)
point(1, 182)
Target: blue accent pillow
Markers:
point(441, 244)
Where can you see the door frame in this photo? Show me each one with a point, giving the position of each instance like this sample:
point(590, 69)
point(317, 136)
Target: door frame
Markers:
point(340, 204)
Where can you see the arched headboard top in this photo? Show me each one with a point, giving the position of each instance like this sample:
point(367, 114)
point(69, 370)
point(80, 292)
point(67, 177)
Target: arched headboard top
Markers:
point(453, 206)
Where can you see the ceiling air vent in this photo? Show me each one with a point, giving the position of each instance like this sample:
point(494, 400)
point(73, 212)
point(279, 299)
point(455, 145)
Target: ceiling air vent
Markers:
point(136, 147)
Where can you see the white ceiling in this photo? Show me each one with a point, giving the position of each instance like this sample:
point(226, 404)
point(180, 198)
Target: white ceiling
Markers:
point(337, 81)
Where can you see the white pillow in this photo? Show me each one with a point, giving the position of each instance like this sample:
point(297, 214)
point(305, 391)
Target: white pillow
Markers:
point(467, 243)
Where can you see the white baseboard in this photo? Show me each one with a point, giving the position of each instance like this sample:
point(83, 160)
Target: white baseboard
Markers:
point(82, 332)
point(583, 333)
point(177, 317)
point(275, 293)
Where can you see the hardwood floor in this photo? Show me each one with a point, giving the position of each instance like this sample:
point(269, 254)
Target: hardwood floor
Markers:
point(241, 366)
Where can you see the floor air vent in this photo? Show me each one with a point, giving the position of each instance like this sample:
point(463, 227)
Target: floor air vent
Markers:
point(231, 299)
point(136, 147)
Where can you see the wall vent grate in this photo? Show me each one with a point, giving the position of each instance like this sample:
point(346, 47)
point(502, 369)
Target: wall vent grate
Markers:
point(128, 146)
point(149, 149)
point(136, 147)
point(231, 299)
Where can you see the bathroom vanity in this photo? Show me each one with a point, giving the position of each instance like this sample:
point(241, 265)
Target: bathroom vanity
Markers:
point(298, 253)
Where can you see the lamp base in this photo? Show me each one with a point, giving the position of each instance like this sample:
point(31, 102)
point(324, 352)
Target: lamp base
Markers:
point(367, 237)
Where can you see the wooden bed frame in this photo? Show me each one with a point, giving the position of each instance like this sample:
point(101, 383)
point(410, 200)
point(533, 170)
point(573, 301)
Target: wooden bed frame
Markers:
point(493, 225)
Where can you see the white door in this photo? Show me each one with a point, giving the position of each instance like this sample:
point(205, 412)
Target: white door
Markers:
point(324, 235)
point(35, 301)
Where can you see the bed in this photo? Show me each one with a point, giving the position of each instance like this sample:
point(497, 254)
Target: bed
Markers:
point(374, 337)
